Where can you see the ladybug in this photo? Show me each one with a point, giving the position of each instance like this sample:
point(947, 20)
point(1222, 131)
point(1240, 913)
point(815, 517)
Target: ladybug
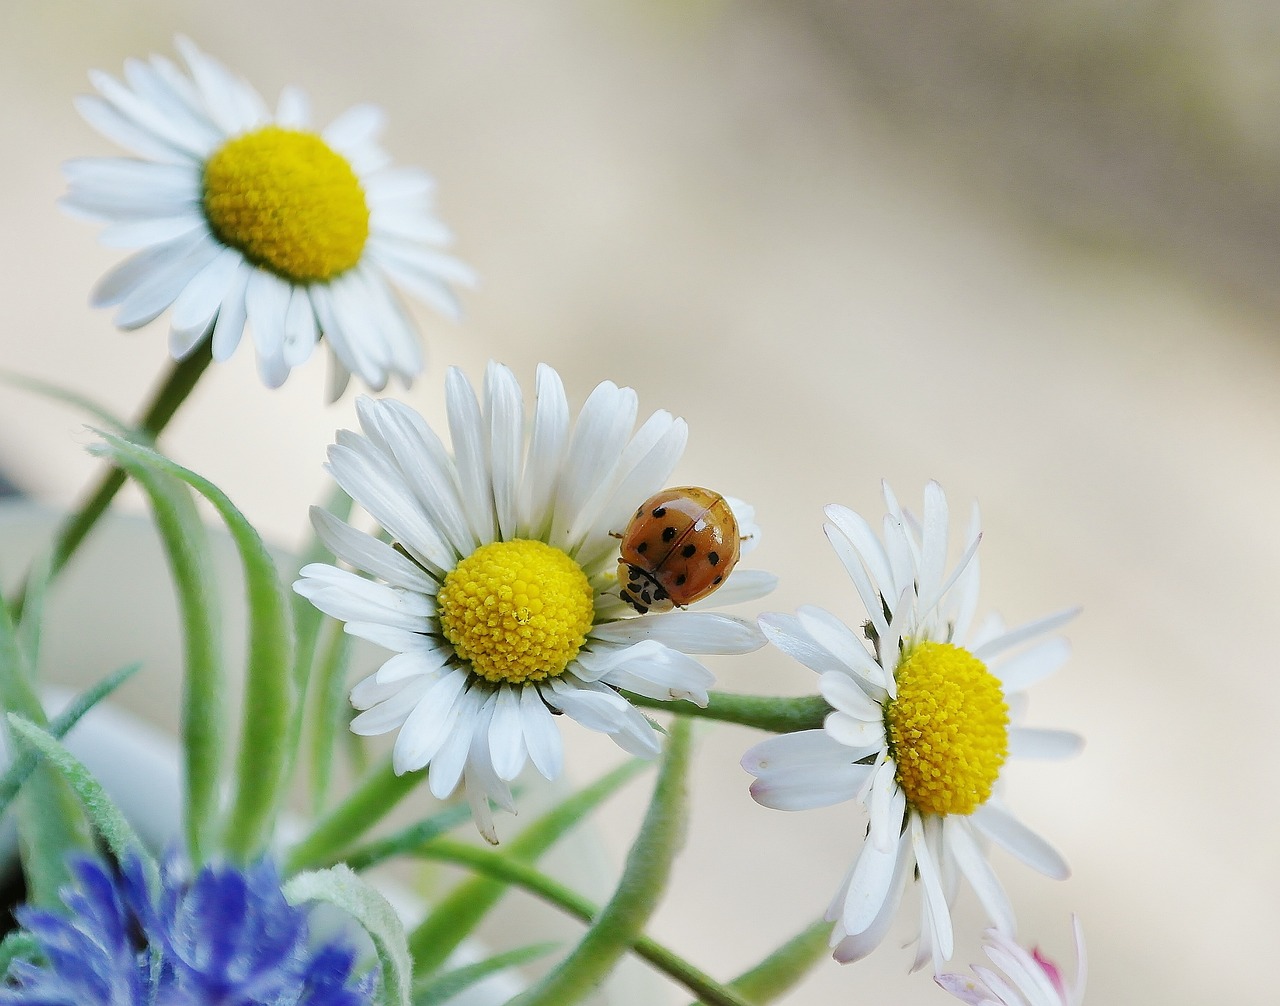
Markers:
point(677, 549)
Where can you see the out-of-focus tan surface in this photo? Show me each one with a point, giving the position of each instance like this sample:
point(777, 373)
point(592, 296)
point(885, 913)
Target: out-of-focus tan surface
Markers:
point(703, 202)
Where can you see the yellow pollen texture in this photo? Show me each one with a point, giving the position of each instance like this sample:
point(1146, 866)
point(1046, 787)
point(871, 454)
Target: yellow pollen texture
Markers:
point(948, 729)
point(517, 610)
point(288, 203)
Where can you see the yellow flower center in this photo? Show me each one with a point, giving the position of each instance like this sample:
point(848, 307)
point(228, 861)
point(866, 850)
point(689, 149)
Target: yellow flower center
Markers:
point(948, 729)
point(517, 610)
point(288, 202)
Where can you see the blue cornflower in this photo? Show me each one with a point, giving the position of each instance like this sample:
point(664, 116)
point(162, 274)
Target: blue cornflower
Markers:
point(226, 937)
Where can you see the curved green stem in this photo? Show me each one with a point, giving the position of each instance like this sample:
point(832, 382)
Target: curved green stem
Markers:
point(764, 712)
point(499, 867)
point(171, 393)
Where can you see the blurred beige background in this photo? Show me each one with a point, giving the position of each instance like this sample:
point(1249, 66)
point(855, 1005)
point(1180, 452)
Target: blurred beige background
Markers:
point(1029, 250)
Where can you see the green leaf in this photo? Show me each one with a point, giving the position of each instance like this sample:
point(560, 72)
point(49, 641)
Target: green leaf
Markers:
point(449, 984)
point(366, 805)
point(408, 838)
point(17, 946)
point(204, 684)
point(58, 393)
point(780, 971)
point(264, 757)
point(107, 818)
point(764, 712)
point(25, 763)
point(643, 880)
point(340, 886)
point(308, 621)
point(488, 863)
point(458, 914)
point(31, 624)
point(328, 709)
point(50, 825)
point(173, 391)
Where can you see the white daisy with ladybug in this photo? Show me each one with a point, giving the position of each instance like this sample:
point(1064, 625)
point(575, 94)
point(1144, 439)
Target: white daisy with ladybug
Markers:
point(499, 590)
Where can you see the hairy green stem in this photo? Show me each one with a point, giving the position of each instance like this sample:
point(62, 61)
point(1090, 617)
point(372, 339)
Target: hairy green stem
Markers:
point(496, 865)
point(764, 712)
point(174, 390)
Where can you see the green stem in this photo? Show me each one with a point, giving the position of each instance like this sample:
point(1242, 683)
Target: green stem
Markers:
point(379, 791)
point(497, 866)
point(764, 712)
point(181, 379)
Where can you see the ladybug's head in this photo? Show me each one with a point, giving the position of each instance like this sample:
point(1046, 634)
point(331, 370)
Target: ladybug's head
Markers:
point(641, 590)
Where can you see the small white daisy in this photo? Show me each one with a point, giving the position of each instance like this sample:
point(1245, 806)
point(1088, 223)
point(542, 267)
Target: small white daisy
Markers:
point(500, 594)
point(920, 728)
point(1029, 979)
point(245, 217)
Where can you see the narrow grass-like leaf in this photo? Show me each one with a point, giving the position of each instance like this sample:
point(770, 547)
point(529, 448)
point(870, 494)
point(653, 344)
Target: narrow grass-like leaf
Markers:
point(644, 878)
point(508, 871)
point(50, 824)
point(269, 693)
point(408, 838)
point(107, 818)
point(451, 983)
point(31, 625)
point(204, 685)
point(780, 971)
point(366, 805)
point(57, 393)
point(171, 393)
point(328, 720)
point(308, 621)
point(764, 712)
point(341, 886)
point(458, 914)
point(25, 763)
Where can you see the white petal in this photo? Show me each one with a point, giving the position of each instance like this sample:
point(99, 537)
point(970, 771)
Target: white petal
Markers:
point(687, 631)
point(869, 886)
point(541, 735)
point(977, 871)
point(1022, 670)
point(300, 330)
point(937, 914)
point(504, 421)
point(449, 762)
point(232, 314)
point(601, 433)
point(1050, 745)
point(741, 586)
point(161, 288)
point(428, 726)
point(1023, 633)
point(786, 633)
point(369, 554)
point(844, 694)
point(466, 431)
point(547, 442)
point(506, 734)
point(1015, 837)
point(829, 632)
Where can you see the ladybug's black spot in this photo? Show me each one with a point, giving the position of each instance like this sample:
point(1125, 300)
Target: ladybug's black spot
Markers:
point(717, 579)
point(660, 511)
point(713, 558)
point(644, 596)
point(668, 533)
point(643, 547)
point(688, 551)
point(659, 594)
point(680, 580)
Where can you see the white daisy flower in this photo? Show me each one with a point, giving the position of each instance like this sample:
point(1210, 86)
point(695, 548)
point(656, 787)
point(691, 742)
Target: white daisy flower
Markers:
point(245, 217)
point(1029, 979)
point(500, 594)
point(922, 723)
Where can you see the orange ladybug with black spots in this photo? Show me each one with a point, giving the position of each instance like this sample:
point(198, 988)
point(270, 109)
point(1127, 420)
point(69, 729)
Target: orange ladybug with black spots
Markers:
point(679, 547)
